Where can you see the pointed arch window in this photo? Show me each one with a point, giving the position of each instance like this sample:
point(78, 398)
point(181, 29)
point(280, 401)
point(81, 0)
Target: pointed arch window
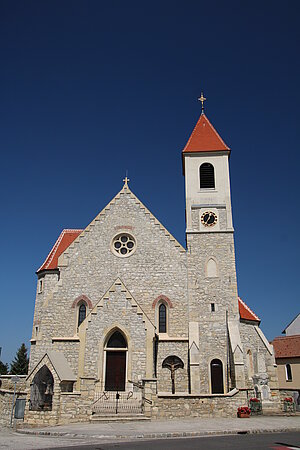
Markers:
point(81, 313)
point(207, 176)
point(116, 340)
point(250, 364)
point(211, 268)
point(162, 318)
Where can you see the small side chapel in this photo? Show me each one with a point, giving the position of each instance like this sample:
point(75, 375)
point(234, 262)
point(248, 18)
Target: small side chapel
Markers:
point(129, 322)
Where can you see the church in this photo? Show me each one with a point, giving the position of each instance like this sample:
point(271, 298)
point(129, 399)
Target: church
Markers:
point(128, 321)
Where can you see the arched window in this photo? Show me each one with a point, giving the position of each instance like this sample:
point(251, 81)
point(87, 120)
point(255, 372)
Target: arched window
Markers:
point(216, 374)
point(162, 318)
point(288, 372)
point(211, 268)
point(81, 313)
point(116, 340)
point(207, 176)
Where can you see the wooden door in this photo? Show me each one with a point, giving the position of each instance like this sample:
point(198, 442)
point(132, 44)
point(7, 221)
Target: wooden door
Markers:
point(115, 371)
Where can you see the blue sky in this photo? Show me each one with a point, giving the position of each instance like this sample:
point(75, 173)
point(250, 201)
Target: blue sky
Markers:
point(92, 89)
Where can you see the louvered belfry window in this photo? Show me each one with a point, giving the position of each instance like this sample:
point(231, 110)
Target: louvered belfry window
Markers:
point(207, 176)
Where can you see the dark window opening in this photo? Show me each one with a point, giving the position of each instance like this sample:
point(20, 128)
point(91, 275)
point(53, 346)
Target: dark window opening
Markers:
point(288, 372)
point(81, 313)
point(162, 313)
point(117, 340)
point(207, 176)
point(66, 386)
point(216, 373)
point(212, 307)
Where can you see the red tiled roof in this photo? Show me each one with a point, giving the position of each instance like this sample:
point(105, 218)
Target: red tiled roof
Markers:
point(65, 239)
point(246, 313)
point(204, 138)
point(287, 346)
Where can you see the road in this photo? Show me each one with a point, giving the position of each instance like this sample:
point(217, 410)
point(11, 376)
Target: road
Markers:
point(276, 441)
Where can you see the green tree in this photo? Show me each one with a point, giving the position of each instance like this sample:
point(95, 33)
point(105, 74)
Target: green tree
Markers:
point(3, 368)
point(19, 366)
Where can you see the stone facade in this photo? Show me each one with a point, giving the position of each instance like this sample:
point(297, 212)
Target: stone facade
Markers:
point(7, 396)
point(166, 302)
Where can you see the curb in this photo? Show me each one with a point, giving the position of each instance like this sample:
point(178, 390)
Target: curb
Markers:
point(158, 435)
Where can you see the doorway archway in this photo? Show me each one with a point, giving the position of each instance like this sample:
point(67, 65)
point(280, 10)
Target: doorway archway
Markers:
point(216, 373)
point(116, 362)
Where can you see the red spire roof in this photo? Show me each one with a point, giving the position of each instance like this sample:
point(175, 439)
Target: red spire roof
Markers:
point(204, 138)
point(246, 313)
point(65, 239)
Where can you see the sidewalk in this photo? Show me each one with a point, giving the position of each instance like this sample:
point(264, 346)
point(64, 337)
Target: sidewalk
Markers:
point(189, 427)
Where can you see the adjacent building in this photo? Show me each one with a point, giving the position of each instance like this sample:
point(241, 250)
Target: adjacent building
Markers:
point(287, 355)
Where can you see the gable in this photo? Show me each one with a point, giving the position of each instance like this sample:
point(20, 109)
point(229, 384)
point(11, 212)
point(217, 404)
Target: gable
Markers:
point(125, 213)
point(68, 236)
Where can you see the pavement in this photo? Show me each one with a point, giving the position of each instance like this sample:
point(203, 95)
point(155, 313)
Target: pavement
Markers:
point(107, 432)
point(157, 429)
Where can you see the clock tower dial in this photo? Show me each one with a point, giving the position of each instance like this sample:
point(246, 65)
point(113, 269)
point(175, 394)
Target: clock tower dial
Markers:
point(209, 219)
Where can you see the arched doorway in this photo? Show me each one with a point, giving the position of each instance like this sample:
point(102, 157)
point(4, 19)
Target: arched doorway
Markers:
point(116, 356)
point(42, 390)
point(216, 373)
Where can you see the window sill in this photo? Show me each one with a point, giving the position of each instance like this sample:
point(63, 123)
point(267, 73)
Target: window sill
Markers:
point(166, 337)
point(71, 338)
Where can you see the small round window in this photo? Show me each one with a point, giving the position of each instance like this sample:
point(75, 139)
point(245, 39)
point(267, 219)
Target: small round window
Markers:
point(123, 244)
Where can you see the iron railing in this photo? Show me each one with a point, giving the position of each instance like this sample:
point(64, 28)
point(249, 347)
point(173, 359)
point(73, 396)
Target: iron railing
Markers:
point(127, 402)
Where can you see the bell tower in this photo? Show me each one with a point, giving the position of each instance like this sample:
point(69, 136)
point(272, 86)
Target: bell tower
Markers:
point(212, 285)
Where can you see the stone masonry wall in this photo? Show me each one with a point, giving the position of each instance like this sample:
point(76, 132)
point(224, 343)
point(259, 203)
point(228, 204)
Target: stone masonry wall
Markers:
point(180, 349)
point(41, 340)
point(6, 396)
point(196, 406)
point(157, 267)
point(203, 291)
point(263, 361)
point(117, 311)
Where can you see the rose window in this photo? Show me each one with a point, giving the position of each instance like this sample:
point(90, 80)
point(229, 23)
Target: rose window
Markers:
point(123, 244)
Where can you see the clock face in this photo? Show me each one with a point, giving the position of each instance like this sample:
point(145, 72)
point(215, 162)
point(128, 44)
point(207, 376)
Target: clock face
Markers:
point(209, 219)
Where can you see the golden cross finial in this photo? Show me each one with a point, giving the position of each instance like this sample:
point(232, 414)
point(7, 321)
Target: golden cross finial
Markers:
point(202, 100)
point(126, 181)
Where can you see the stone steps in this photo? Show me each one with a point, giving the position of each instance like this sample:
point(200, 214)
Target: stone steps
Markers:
point(118, 418)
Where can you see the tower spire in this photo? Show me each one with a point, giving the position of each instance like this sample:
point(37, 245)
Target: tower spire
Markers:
point(202, 100)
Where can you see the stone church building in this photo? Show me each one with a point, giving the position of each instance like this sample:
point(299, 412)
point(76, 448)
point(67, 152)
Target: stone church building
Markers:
point(128, 321)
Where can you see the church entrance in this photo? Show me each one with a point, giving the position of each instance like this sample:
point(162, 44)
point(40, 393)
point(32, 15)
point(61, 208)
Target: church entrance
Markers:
point(117, 395)
point(115, 371)
point(116, 356)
